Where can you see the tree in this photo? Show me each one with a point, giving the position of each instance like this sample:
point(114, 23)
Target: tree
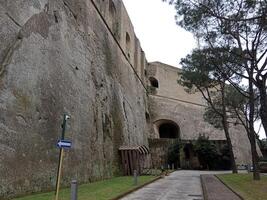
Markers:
point(241, 26)
point(240, 107)
point(200, 71)
point(174, 154)
point(207, 152)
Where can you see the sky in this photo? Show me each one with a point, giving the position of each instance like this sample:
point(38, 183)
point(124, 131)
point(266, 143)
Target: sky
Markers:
point(161, 39)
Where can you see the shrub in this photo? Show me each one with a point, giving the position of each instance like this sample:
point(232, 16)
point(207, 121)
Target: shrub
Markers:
point(210, 157)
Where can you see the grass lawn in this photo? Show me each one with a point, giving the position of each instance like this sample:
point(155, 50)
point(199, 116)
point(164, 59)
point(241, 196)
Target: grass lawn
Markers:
point(245, 186)
point(102, 190)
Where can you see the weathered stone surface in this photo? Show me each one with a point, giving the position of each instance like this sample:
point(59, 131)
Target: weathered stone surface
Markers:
point(82, 57)
point(59, 57)
point(171, 102)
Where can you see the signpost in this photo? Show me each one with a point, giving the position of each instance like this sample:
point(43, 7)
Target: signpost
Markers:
point(62, 144)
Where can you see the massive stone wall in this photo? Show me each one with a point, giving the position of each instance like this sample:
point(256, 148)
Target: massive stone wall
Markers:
point(79, 57)
point(171, 102)
point(83, 58)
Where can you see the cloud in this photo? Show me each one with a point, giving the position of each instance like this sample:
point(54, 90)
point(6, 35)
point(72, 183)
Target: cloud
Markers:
point(160, 37)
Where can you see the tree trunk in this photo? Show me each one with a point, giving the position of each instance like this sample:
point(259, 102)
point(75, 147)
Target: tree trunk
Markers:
point(255, 160)
point(226, 129)
point(263, 103)
point(263, 116)
point(229, 143)
point(251, 131)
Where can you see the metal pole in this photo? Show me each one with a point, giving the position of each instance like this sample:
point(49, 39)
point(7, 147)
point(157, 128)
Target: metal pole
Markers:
point(65, 117)
point(135, 177)
point(74, 190)
point(59, 172)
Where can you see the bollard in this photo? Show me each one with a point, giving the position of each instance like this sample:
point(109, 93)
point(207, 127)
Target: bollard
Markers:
point(135, 177)
point(249, 168)
point(74, 190)
point(172, 166)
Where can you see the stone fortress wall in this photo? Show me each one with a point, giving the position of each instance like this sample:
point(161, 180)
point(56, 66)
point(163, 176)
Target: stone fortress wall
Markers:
point(83, 58)
point(79, 57)
point(171, 103)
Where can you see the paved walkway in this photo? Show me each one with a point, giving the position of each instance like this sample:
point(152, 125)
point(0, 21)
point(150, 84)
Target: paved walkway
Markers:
point(213, 187)
point(179, 185)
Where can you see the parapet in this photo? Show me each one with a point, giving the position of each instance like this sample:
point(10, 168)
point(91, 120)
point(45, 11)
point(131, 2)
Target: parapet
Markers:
point(118, 21)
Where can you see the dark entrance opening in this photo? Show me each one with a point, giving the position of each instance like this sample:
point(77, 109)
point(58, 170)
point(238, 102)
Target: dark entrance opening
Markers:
point(168, 130)
point(154, 82)
point(190, 157)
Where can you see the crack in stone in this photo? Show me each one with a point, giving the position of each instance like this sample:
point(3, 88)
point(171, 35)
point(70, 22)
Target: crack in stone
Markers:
point(70, 9)
point(13, 20)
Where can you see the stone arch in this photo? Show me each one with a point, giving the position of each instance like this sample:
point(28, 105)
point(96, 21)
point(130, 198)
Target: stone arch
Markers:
point(128, 44)
point(167, 129)
point(153, 82)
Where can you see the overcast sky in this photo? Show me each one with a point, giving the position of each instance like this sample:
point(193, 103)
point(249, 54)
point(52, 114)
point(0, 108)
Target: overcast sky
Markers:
point(161, 39)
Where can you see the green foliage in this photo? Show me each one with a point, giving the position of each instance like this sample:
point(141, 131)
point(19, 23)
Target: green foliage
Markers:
point(234, 102)
point(239, 30)
point(174, 153)
point(208, 70)
point(235, 32)
point(263, 143)
point(102, 190)
point(206, 151)
point(221, 22)
point(213, 118)
point(208, 67)
point(235, 99)
point(210, 157)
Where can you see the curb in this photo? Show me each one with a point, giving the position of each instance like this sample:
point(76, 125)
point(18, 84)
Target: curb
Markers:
point(229, 188)
point(204, 190)
point(135, 189)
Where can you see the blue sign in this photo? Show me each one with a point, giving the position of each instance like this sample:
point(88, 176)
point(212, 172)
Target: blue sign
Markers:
point(64, 144)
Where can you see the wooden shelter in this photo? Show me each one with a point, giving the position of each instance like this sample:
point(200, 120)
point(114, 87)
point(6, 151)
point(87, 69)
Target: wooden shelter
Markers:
point(133, 158)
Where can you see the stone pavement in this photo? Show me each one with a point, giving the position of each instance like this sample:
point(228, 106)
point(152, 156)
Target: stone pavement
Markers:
point(212, 187)
point(179, 185)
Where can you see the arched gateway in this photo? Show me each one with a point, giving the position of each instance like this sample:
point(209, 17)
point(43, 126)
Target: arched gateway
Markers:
point(167, 129)
point(165, 145)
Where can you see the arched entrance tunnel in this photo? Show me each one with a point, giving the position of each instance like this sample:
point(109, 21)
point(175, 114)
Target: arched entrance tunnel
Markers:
point(168, 129)
point(165, 146)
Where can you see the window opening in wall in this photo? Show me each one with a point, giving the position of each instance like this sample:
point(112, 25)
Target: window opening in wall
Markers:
point(154, 82)
point(188, 151)
point(145, 71)
point(128, 44)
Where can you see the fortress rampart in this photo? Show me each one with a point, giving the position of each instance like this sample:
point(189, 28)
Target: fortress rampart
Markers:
point(77, 57)
point(83, 58)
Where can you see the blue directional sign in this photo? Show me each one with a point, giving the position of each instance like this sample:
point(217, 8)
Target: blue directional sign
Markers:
point(64, 144)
